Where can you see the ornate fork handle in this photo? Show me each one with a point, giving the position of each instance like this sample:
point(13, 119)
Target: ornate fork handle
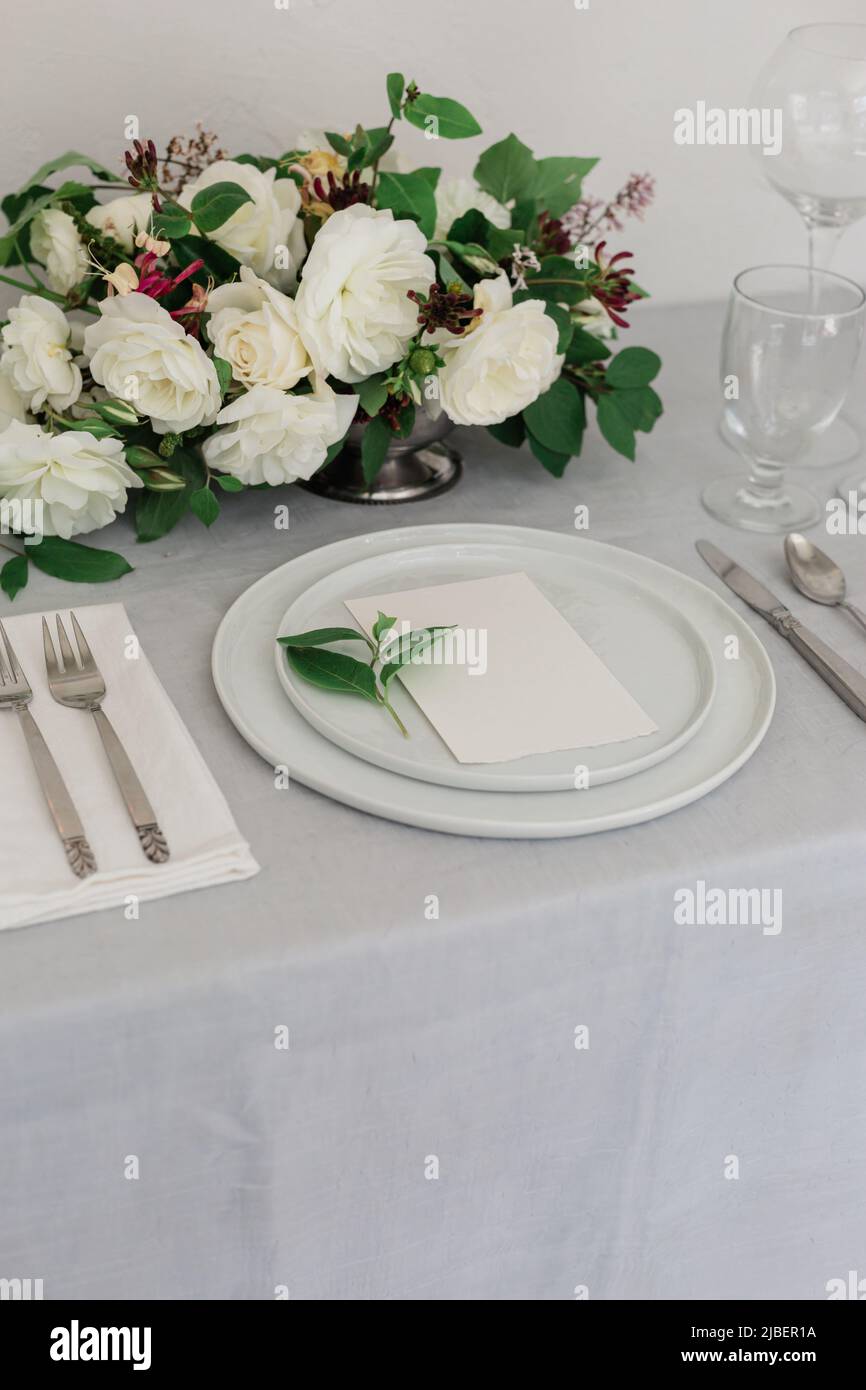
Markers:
point(143, 816)
point(69, 828)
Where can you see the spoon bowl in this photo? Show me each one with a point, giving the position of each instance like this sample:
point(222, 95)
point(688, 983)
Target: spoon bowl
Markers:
point(817, 576)
point(813, 572)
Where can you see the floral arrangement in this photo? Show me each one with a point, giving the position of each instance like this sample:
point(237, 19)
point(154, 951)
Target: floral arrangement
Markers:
point(217, 323)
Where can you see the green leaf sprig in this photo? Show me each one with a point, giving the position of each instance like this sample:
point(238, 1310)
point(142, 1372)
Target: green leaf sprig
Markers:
point(306, 654)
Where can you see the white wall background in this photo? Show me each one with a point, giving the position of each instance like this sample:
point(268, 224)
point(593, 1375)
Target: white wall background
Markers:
point(603, 81)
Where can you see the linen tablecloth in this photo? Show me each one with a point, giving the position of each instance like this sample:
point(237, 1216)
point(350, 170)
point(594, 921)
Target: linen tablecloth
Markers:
point(305, 1085)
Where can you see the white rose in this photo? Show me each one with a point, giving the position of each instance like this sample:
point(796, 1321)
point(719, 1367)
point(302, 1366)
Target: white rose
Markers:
point(81, 481)
point(55, 243)
point(136, 344)
point(11, 404)
point(353, 305)
point(264, 230)
point(123, 218)
point(275, 438)
point(36, 354)
point(503, 364)
point(255, 329)
point(591, 315)
point(456, 196)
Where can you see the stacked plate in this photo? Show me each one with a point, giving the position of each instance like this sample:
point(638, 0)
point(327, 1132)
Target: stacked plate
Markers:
point(666, 638)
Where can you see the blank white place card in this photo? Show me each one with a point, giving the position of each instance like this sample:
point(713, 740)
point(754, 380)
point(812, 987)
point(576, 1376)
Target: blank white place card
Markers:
point(515, 679)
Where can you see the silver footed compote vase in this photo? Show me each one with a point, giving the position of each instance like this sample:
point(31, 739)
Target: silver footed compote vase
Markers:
point(419, 466)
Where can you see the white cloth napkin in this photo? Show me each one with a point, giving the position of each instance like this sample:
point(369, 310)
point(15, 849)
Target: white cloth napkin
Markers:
point(36, 883)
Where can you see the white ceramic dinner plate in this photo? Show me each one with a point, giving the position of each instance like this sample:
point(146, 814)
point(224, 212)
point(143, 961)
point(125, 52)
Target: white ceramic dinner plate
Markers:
point(652, 649)
point(246, 680)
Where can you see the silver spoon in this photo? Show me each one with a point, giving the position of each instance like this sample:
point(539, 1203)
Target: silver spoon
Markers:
point(817, 576)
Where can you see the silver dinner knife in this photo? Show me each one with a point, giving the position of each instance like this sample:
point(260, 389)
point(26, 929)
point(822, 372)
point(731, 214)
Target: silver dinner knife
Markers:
point(848, 683)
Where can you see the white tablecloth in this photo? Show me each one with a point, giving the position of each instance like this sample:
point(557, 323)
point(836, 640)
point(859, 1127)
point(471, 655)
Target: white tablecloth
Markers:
point(431, 1130)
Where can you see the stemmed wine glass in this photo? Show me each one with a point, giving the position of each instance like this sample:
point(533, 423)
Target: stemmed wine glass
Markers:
point(817, 78)
point(790, 345)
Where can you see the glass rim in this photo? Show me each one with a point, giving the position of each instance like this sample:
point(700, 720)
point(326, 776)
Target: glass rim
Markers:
point(797, 34)
point(825, 275)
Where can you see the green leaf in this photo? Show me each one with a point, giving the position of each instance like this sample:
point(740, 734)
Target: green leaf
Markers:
point(382, 625)
point(217, 261)
point(554, 462)
point(395, 84)
point(558, 184)
point(430, 174)
point(82, 564)
point(585, 347)
point(634, 366)
point(72, 159)
point(448, 274)
point(333, 671)
point(511, 432)
point(408, 195)
point(406, 421)
point(614, 426)
point(156, 513)
point(204, 505)
point(320, 636)
point(507, 170)
point(376, 148)
point(228, 482)
point(137, 456)
point(173, 221)
point(224, 373)
point(470, 226)
point(374, 447)
point(557, 418)
point(441, 116)
point(13, 576)
point(372, 393)
point(562, 319)
point(338, 143)
point(558, 280)
point(215, 204)
point(407, 648)
point(100, 429)
point(641, 406)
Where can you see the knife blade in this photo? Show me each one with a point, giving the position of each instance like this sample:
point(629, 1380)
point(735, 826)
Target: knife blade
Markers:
point(842, 678)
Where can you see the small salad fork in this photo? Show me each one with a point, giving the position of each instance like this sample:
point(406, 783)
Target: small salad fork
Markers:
point(78, 683)
point(15, 692)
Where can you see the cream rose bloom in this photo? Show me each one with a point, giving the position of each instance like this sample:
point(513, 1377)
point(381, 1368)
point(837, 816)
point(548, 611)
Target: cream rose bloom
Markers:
point(139, 353)
point(456, 196)
point(255, 329)
point(11, 404)
point(503, 364)
point(263, 229)
point(81, 481)
point(36, 355)
point(352, 305)
point(123, 218)
point(270, 437)
point(55, 243)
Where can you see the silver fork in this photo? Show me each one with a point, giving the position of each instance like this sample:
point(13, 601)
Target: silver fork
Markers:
point(78, 683)
point(15, 692)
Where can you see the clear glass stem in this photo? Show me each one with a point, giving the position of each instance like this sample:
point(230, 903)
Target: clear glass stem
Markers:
point(823, 241)
point(764, 486)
